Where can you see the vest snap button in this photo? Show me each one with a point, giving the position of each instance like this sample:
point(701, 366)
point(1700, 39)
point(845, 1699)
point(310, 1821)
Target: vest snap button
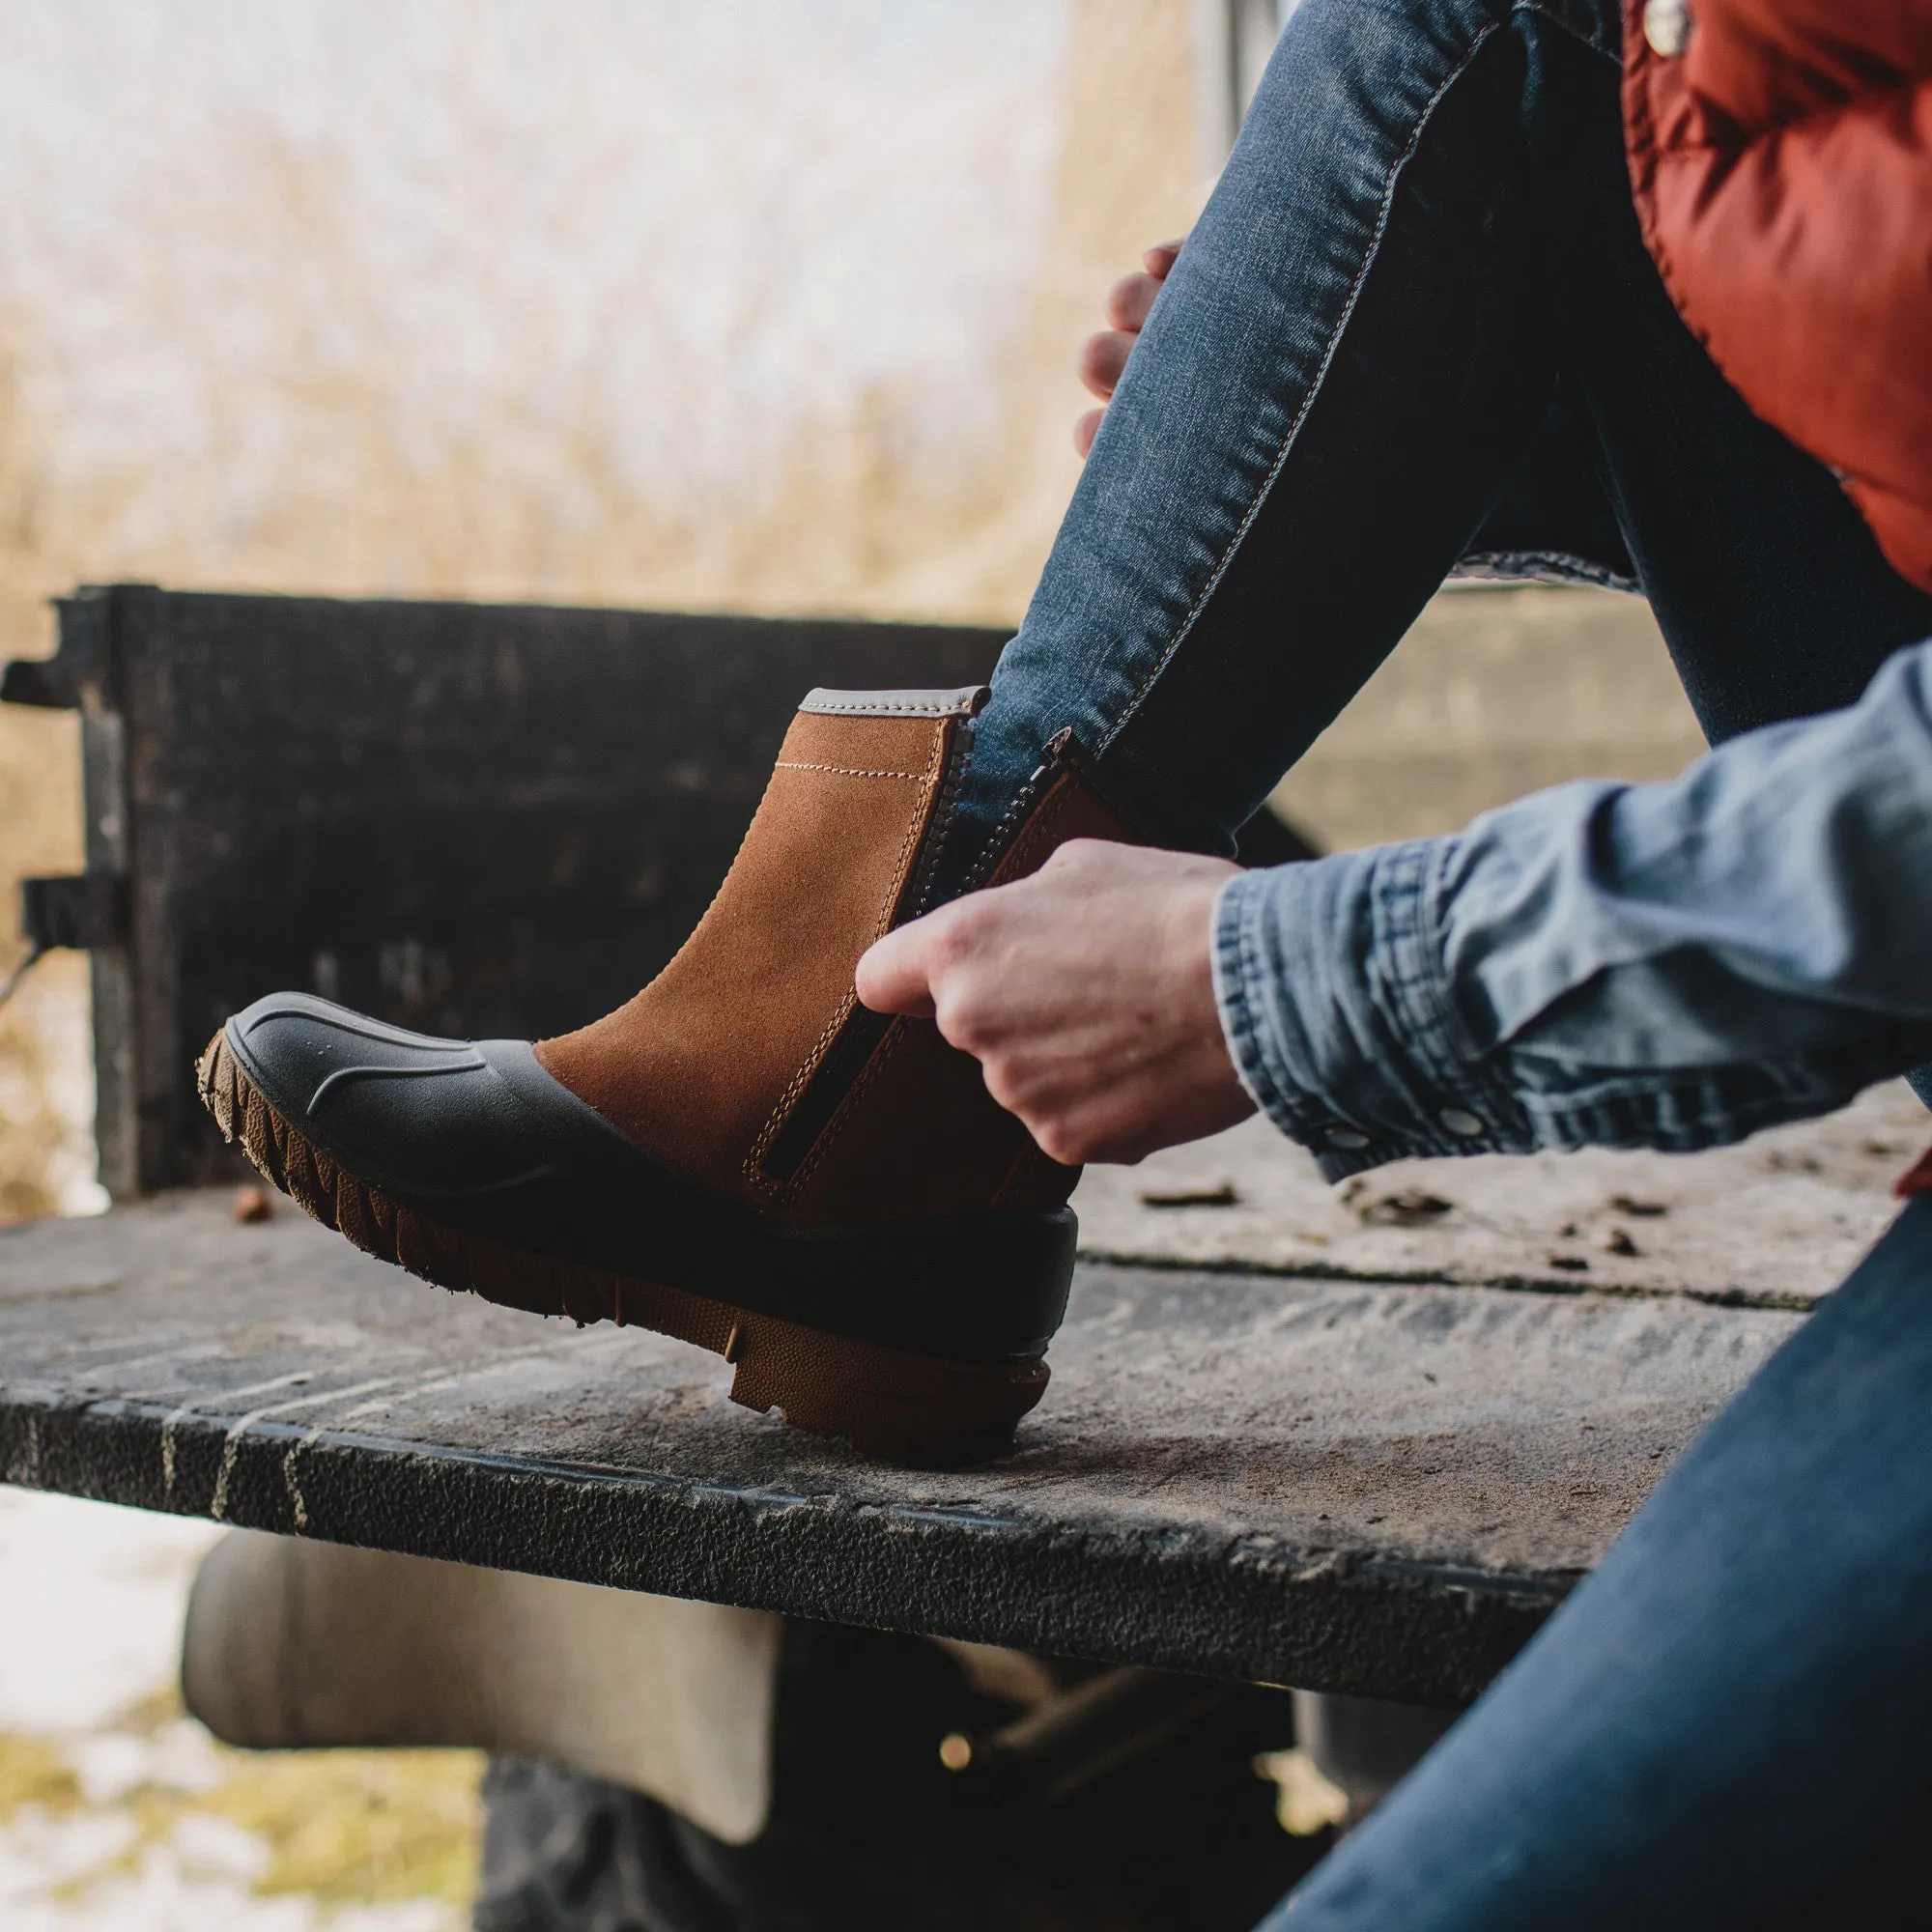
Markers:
point(1666, 26)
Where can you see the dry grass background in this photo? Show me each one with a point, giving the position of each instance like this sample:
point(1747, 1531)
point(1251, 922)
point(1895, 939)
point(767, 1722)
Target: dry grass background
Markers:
point(43, 1069)
point(857, 514)
point(340, 1829)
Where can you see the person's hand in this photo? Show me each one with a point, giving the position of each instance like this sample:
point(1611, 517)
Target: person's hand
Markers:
point(1104, 356)
point(1085, 992)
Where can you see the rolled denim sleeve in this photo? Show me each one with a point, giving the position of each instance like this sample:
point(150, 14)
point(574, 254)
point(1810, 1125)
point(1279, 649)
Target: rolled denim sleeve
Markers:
point(1665, 965)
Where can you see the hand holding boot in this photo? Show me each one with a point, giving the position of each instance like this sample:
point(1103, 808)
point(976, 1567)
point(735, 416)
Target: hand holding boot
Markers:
point(1087, 994)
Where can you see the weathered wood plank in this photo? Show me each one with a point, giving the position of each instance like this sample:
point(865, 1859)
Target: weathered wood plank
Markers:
point(1373, 1488)
point(1776, 1221)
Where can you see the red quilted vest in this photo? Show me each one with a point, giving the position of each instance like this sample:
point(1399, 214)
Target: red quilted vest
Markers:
point(1781, 155)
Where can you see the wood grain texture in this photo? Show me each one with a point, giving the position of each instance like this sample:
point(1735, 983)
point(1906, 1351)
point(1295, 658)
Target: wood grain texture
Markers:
point(1374, 1487)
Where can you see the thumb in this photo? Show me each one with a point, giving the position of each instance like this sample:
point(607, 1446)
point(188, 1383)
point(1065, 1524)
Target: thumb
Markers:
point(895, 974)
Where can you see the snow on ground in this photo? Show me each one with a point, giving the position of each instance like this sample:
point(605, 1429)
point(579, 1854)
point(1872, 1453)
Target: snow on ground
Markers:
point(119, 1814)
point(91, 1604)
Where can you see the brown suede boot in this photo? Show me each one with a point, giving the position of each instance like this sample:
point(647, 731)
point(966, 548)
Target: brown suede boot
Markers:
point(742, 1156)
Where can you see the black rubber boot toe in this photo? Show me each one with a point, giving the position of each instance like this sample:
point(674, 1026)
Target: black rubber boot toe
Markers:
point(429, 1119)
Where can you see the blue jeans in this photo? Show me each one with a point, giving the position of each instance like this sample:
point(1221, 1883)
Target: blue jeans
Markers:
point(1415, 328)
point(1729, 1723)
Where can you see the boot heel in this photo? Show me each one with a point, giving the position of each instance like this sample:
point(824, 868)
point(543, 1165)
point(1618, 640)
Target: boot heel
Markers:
point(887, 1402)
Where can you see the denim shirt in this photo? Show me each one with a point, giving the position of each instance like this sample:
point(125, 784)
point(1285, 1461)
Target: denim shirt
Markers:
point(1669, 965)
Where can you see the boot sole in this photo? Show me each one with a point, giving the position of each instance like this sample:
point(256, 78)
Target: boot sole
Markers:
point(887, 1402)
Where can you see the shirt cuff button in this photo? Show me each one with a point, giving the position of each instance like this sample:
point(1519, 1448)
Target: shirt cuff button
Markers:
point(1459, 1120)
point(1346, 1137)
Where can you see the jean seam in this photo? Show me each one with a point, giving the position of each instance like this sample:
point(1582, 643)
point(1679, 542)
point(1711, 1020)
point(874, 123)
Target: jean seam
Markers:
point(1369, 259)
point(1265, 489)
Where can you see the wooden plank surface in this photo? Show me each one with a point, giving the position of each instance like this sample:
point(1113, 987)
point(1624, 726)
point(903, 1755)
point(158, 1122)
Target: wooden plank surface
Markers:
point(1348, 1484)
point(1773, 1222)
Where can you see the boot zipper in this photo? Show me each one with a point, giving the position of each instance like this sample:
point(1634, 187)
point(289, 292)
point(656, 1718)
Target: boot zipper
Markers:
point(1060, 750)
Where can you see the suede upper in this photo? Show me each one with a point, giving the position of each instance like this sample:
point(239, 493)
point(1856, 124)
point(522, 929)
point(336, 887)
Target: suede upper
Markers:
point(747, 1064)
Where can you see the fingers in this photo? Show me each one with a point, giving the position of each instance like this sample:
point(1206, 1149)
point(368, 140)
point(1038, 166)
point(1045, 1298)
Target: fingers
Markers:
point(1159, 259)
point(1102, 358)
point(1085, 992)
point(1129, 301)
point(895, 975)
